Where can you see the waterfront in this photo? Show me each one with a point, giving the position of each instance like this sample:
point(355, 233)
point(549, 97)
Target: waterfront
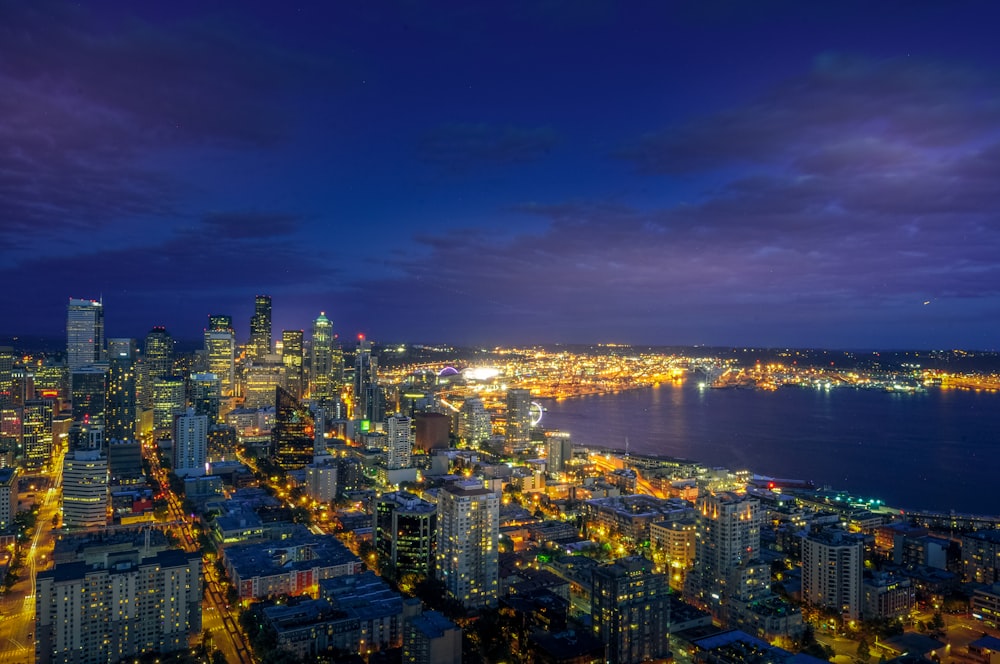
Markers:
point(934, 449)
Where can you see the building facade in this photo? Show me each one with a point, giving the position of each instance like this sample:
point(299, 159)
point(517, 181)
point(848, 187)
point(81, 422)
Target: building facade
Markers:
point(468, 532)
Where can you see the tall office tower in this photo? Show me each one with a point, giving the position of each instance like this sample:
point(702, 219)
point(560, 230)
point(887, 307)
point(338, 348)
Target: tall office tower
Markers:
point(190, 444)
point(321, 386)
point(120, 408)
point(206, 392)
point(832, 567)
point(125, 462)
point(52, 380)
point(128, 606)
point(630, 610)
point(8, 497)
point(6, 375)
point(291, 356)
point(85, 489)
point(468, 531)
point(292, 433)
point(261, 380)
point(260, 329)
point(36, 432)
point(220, 352)
point(560, 450)
point(168, 402)
point(399, 442)
point(405, 532)
point(727, 540)
point(518, 431)
point(10, 435)
point(88, 388)
point(22, 386)
point(84, 333)
point(474, 426)
point(86, 436)
point(158, 353)
point(369, 400)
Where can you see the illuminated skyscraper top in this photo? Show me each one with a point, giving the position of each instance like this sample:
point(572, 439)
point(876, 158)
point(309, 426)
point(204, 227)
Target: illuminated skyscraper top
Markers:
point(159, 353)
point(84, 333)
point(321, 361)
point(260, 329)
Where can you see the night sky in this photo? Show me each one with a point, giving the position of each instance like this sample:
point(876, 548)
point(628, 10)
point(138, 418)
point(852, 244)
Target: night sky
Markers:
point(747, 173)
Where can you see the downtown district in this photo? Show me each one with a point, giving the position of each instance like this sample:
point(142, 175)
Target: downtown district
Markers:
point(288, 499)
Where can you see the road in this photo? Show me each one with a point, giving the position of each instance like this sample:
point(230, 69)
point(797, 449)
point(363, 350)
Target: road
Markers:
point(17, 607)
point(217, 616)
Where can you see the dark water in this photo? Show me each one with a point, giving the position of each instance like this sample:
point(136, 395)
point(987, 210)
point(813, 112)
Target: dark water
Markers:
point(938, 449)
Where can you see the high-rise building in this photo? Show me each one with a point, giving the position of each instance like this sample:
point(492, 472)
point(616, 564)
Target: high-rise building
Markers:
point(369, 399)
point(10, 435)
point(85, 489)
point(292, 436)
point(124, 461)
point(518, 432)
point(88, 389)
point(727, 539)
point(128, 606)
point(36, 432)
point(190, 444)
point(158, 353)
point(405, 531)
point(291, 356)
point(322, 389)
point(120, 402)
point(168, 402)
point(8, 497)
point(474, 426)
point(261, 380)
point(832, 569)
point(321, 479)
point(560, 450)
point(430, 638)
point(630, 610)
point(6, 375)
point(260, 329)
point(220, 352)
point(206, 393)
point(468, 531)
point(399, 442)
point(84, 333)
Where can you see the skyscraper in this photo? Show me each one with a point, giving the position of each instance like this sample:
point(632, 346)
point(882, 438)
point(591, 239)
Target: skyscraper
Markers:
point(220, 352)
point(6, 375)
point(190, 444)
point(474, 424)
point(84, 333)
point(291, 357)
point(630, 610)
point(369, 400)
point(518, 432)
point(158, 353)
point(321, 387)
point(292, 433)
point(399, 442)
point(168, 402)
point(120, 402)
point(260, 329)
point(85, 489)
point(560, 450)
point(36, 432)
point(727, 540)
point(468, 532)
point(832, 569)
point(405, 531)
point(88, 390)
point(206, 392)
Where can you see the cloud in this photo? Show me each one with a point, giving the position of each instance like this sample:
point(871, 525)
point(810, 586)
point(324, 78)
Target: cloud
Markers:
point(253, 225)
point(458, 148)
point(90, 104)
point(912, 102)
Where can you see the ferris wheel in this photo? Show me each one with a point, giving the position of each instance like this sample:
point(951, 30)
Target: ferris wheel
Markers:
point(535, 411)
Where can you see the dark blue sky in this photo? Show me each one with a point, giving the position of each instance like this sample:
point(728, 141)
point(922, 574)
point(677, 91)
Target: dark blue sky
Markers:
point(766, 173)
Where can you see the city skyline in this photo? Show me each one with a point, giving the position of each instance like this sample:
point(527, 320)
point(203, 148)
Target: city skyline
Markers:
point(776, 175)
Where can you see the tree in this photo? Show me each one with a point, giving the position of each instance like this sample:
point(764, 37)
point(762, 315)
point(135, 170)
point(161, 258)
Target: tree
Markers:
point(864, 651)
point(937, 622)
